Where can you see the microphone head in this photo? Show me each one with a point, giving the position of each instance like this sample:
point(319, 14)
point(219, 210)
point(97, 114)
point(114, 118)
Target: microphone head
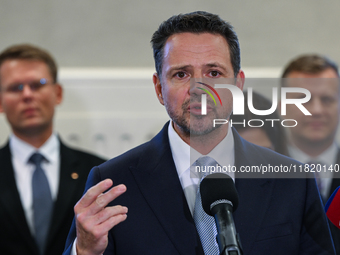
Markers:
point(216, 187)
point(332, 208)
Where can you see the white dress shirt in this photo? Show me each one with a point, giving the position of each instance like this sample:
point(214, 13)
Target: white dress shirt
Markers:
point(184, 156)
point(328, 158)
point(23, 170)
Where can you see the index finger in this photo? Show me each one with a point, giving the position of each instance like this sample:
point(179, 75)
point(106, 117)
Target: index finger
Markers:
point(92, 193)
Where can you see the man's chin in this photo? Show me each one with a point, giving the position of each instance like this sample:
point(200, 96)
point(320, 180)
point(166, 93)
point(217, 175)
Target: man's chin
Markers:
point(201, 130)
point(202, 126)
point(32, 127)
point(316, 139)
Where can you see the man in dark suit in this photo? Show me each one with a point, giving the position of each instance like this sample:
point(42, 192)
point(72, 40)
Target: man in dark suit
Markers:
point(29, 93)
point(154, 183)
point(313, 140)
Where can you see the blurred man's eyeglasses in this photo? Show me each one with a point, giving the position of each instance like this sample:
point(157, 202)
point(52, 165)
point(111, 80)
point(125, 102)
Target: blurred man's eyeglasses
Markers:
point(19, 87)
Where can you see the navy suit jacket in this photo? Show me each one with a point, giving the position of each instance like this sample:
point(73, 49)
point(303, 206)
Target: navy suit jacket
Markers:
point(15, 235)
point(274, 216)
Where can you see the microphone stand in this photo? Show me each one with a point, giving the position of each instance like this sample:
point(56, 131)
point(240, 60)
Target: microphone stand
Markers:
point(227, 239)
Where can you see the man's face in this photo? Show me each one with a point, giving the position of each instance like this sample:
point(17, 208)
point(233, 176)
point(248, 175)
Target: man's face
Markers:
point(321, 126)
point(186, 56)
point(30, 110)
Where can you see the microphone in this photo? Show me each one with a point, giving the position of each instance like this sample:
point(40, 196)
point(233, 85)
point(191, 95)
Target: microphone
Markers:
point(220, 199)
point(332, 208)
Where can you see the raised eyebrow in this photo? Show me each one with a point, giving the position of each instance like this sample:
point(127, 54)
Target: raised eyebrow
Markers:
point(178, 68)
point(216, 65)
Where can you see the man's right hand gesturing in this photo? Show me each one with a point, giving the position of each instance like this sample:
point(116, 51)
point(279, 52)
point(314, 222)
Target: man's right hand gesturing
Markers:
point(94, 220)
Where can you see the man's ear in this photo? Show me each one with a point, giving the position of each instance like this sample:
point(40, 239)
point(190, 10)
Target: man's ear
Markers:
point(158, 87)
point(59, 93)
point(240, 80)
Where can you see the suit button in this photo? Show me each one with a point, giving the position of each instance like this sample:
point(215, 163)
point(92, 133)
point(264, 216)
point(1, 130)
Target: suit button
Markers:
point(74, 176)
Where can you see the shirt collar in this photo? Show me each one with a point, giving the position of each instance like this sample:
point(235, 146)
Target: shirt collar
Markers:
point(22, 150)
point(184, 156)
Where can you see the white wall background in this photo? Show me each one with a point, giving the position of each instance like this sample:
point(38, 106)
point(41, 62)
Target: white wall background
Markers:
point(103, 49)
point(117, 33)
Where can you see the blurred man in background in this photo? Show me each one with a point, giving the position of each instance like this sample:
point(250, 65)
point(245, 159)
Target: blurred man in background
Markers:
point(313, 140)
point(41, 179)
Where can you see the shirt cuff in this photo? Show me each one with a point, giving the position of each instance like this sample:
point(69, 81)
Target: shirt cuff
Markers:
point(74, 247)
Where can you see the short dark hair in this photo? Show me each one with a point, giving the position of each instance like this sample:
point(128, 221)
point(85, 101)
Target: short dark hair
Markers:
point(311, 64)
point(30, 52)
point(195, 22)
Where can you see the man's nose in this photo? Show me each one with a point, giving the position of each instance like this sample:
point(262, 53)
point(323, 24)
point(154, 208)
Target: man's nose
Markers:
point(26, 90)
point(197, 85)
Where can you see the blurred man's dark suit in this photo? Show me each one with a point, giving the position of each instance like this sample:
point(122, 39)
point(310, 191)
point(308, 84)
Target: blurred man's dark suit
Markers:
point(15, 235)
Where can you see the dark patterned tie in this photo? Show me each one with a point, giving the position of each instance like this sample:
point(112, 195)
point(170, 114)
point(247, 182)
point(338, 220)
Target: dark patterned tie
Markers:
point(205, 224)
point(42, 202)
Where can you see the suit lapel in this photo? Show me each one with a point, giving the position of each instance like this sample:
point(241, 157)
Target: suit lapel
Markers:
point(254, 195)
point(10, 198)
point(158, 181)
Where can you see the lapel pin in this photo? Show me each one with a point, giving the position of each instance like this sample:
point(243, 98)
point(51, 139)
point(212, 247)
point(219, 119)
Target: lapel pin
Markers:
point(75, 176)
